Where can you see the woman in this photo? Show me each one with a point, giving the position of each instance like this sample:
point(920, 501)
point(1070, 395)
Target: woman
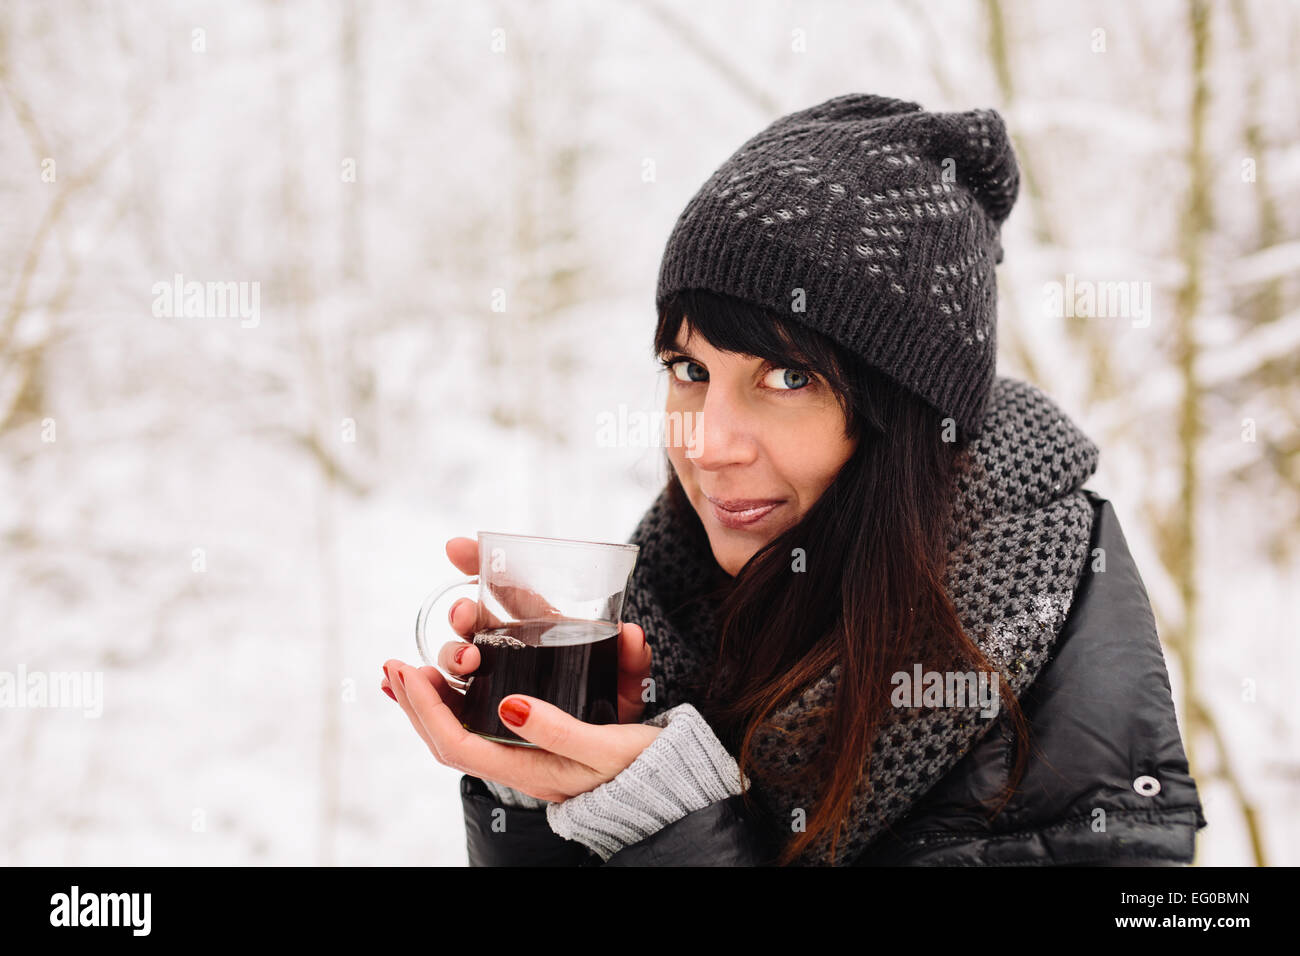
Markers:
point(882, 620)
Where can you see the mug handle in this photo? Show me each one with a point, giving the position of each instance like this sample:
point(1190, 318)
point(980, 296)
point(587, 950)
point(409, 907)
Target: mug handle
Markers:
point(422, 618)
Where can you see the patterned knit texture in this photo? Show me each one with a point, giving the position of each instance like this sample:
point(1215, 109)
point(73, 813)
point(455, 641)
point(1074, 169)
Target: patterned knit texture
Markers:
point(1018, 547)
point(873, 221)
point(684, 769)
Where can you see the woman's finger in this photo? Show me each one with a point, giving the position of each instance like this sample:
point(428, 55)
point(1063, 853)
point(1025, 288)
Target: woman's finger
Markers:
point(604, 749)
point(633, 650)
point(398, 688)
point(463, 552)
point(459, 658)
point(469, 617)
point(524, 603)
point(452, 699)
point(454, 746)
point(633, 669)
point(447, 692)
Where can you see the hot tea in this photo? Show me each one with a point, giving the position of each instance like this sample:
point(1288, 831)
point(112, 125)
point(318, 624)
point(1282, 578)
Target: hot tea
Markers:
point(571, 664)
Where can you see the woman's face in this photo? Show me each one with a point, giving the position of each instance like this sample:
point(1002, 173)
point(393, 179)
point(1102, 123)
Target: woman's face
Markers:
point(760, 444)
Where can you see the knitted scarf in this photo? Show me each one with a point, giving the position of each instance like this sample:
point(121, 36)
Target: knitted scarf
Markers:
point(1017, 549)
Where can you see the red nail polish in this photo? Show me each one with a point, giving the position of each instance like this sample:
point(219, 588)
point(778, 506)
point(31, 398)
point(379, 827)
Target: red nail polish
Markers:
point(388, 675)
point(402, 679)
point(514, 711)
point(389, 693)
point(460, 652)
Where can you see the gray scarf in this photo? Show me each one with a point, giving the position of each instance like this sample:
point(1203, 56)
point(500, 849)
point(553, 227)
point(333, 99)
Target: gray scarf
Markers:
point(1018, 546)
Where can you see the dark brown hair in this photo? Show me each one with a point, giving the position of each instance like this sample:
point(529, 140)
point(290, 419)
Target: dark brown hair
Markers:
point(872, 598)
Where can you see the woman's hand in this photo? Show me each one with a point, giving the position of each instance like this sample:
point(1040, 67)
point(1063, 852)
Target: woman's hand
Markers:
point(575, 756)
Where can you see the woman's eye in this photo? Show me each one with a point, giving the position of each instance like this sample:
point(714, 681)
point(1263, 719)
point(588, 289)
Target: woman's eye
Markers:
point(777, 379)
point(679, 370)
point(787, 379)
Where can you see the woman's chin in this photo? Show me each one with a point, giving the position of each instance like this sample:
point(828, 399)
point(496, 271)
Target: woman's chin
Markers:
point(729, 557)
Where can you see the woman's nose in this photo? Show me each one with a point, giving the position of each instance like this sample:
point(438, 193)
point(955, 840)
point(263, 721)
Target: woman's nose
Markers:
point(723, 433)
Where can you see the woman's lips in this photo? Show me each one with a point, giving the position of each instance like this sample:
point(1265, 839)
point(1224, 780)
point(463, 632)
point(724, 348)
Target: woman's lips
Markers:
point(740, 514)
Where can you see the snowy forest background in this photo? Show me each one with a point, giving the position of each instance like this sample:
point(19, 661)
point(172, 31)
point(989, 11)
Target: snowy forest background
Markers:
point(235, 525)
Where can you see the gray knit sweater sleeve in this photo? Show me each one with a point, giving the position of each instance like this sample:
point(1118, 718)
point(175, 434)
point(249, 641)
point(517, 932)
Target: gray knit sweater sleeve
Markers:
point(684, 769)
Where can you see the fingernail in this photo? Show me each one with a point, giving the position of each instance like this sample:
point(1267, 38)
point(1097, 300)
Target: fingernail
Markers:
point(451, 614)
point(514, 711)
point(402, 679)
point(460, 652)
point(389, 693)
point(388, 675)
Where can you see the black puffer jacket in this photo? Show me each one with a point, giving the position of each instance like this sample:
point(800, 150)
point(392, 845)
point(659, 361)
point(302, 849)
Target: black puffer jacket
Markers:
point(1107, 781)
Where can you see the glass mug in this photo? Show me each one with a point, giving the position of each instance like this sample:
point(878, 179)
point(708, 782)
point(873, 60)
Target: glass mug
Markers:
point(548, 623)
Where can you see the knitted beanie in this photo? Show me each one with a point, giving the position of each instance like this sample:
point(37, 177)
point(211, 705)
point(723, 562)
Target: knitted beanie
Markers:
point(873, 221)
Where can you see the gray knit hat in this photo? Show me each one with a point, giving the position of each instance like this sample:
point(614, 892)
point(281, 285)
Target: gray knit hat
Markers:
point(886, 216)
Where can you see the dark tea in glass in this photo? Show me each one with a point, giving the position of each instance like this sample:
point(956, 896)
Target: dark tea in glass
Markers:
point(571, 664)
point(548, 613)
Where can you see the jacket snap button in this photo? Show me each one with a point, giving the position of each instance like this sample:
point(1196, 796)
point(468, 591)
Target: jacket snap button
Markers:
point(1147, 786)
